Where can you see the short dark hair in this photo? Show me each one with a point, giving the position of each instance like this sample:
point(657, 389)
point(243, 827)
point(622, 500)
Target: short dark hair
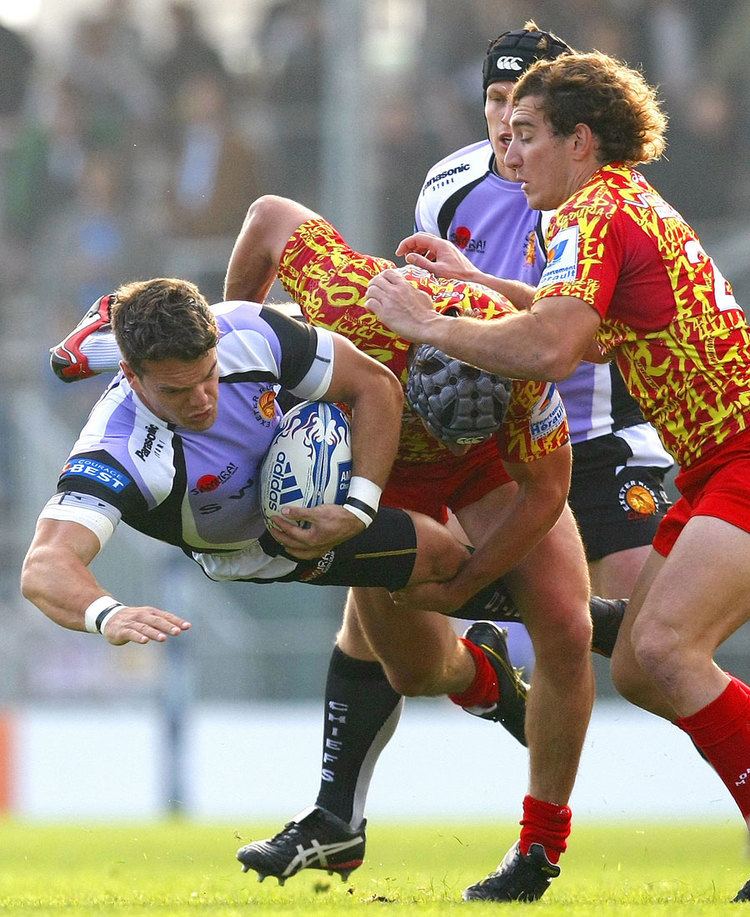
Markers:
point(614, 100)
point(161, 319)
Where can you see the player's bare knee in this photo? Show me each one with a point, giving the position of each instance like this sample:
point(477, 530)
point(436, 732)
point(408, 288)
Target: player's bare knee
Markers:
point(439, 554)
point(659, 650)
point(627, 678)
point(630, 681)
point(566, 645)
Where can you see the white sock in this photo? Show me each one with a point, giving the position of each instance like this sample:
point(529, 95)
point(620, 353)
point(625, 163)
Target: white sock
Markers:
point(102, 352)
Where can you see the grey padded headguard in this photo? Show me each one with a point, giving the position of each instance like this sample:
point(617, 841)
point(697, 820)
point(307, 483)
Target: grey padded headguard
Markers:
point(458, 403)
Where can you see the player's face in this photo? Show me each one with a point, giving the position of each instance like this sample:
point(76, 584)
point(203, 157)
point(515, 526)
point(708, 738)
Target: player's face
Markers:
point(539, 159)
point(497, 112)
point(454, 448)
point(185, 393)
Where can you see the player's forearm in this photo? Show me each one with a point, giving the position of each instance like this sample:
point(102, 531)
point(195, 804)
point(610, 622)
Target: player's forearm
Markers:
point(519, 293)
point(253, 263)
point(376, 429)
point(59, 585)
point(250, 275)
point(518, 346)
point(522, 524)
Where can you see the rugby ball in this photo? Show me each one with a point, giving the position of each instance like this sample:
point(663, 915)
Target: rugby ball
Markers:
point(309, 460)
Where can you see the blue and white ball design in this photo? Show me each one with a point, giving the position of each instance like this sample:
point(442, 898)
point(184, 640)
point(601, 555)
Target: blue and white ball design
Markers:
point(309, 460)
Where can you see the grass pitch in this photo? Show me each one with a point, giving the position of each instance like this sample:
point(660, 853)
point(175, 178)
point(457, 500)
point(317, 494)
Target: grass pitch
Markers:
point(179, 868)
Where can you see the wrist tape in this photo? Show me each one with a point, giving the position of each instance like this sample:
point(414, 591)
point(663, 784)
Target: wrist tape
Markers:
point(99, 612)
point(363, 499)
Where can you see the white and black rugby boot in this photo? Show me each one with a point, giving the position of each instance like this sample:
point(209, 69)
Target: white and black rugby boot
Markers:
point(314, 839)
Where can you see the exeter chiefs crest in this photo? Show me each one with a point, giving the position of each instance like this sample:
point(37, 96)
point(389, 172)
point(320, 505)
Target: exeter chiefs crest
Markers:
point(638, 500)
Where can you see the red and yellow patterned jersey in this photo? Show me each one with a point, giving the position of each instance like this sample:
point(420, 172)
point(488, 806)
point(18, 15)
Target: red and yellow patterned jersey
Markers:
point(680, 338)
point(329, 281)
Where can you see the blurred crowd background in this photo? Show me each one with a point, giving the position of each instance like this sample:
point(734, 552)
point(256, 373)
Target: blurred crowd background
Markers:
point(133, 136)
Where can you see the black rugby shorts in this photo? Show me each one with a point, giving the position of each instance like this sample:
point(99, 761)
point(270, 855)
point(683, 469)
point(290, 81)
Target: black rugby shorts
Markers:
point(382, 555)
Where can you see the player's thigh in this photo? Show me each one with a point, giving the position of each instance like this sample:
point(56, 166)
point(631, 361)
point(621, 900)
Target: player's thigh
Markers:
point(551, 587)
point(351, 639)
point(478, 517)
point(701, 594)
point(439, 554)
point(614, 576)
point(403, 639)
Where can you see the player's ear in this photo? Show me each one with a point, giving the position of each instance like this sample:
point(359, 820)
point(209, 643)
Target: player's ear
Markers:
point(585, 141)
point(128, 371)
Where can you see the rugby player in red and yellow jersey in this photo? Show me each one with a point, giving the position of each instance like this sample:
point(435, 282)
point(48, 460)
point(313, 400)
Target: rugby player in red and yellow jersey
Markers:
point(627, 278)
point(508, 494)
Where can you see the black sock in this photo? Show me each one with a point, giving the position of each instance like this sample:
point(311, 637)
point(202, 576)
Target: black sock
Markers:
point(493, 603)
point(361, 714)
point(606, 617)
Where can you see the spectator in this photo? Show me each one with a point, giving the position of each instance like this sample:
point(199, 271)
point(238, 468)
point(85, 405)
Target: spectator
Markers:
point(215, 171)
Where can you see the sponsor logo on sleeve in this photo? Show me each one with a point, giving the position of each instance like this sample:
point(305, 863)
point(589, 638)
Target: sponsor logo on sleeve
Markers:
point(562, 258)
point(109, 477)
point(548, 413)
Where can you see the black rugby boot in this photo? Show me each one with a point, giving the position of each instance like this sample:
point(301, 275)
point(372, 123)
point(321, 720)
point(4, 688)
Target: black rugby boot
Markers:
point(510, 709)
point(517, 878)
point(314, 839)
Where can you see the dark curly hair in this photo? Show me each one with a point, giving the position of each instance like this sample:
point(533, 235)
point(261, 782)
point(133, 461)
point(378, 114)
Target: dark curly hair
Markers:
point(161, 319)
point(615, 101)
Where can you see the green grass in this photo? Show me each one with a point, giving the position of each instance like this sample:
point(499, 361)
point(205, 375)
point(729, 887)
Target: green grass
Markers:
point(179, 868)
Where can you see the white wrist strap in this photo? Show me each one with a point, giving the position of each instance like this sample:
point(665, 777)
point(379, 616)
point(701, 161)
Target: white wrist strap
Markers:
point(363, 499)
point(99, 612)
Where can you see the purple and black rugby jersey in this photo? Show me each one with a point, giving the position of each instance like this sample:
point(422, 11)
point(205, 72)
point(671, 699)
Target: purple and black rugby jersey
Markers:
point(199, 490)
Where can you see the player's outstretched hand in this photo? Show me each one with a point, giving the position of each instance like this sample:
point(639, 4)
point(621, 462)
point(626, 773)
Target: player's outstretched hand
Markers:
point(328, 525)
point(439, 256)
point(143, 623)
point(399, 305)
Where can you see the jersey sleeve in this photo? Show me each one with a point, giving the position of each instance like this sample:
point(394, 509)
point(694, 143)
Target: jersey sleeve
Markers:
point(425, 216)
point(306, 354)
point(328, 280)
point(584, 257)
point(98, 475)
point(535, 424)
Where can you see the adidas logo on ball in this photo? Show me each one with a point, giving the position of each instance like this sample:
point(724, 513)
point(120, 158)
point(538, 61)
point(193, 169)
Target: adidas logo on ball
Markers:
point(282, 484)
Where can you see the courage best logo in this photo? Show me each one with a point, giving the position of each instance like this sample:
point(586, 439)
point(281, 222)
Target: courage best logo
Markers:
point(103, 474)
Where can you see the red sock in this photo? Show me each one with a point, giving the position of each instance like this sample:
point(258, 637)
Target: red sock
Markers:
point(484, 691)
point(722, 732)
point(547, 824)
